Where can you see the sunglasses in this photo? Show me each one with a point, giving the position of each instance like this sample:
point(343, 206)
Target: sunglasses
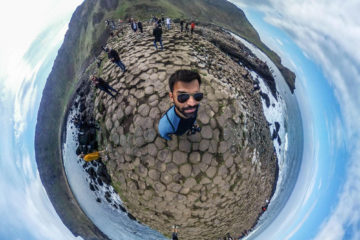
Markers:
point(183, 97)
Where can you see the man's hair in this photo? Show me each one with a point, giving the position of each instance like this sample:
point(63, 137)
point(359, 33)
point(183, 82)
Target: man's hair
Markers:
point(183, 76)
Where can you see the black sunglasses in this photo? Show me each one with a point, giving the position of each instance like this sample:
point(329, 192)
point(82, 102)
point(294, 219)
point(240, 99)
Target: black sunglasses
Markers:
point(183, 97)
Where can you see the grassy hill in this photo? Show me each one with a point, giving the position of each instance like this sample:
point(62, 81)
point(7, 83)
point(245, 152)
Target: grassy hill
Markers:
point(87, 32)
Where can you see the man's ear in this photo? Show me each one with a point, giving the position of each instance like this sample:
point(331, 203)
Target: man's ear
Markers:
point(171, 95)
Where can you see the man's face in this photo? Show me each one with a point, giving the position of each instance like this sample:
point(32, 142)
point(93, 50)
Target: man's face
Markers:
point(189, 107)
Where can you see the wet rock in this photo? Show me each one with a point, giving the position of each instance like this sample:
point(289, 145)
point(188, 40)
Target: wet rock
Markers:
point(131, 216)
point(266, 98)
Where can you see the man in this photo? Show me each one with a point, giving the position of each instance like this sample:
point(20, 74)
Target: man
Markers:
point(187, 27)
point(185, 94)
point(113, 55)
point(175, 232)
point(140, 26)
point(168, 23)
point(192, 27)
point(102, 85)
point(182, 25)
point(133, 25)
point(157, 32)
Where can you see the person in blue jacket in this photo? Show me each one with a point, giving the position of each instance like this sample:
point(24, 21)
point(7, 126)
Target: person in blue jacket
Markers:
point(185, 95)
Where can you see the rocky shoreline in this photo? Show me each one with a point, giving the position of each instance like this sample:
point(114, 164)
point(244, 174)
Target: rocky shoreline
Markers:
point(114, 142)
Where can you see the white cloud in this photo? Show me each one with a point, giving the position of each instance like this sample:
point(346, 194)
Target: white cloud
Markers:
point(24, 205)
point(328, 32)
point(347, 212)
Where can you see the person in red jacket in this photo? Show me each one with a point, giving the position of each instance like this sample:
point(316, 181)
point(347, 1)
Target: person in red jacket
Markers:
point(192, 27)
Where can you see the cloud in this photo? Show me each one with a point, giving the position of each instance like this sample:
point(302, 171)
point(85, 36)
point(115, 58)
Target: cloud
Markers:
point(346, 215)
point(328, 33)
point(25, 210)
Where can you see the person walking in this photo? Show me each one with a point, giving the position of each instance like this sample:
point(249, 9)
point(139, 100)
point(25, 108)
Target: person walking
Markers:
point(103, 86)
point(182, 25)
point(187, 27)
point(140, 26)
point(192, 27)
point(174, 235)
point(98, 61)
point(168, 22)
point(133, 25)
point(157, 33)
point(113, 55)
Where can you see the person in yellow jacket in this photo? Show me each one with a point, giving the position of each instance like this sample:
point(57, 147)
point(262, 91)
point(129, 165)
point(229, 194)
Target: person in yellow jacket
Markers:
point(91, 156)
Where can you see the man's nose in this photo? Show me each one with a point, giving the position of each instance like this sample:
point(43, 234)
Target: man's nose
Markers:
point(191, 101)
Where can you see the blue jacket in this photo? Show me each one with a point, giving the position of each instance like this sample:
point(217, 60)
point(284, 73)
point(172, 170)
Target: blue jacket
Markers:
point(171, 123)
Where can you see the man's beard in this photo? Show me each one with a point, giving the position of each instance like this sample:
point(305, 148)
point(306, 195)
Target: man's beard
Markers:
point(187, 115)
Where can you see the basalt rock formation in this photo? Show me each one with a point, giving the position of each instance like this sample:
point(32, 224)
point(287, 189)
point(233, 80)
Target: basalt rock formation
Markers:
point(209, 183)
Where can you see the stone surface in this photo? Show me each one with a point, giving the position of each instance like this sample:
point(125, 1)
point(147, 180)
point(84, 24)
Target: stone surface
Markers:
point(208, 183)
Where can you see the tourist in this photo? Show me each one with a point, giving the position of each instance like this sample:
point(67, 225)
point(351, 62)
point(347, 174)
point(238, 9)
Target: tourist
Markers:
point(187, 27)
point(157, 32)
point(168, 21)
point(103, 86)
point(140, 26)
point(192, 27)
point(113, 55)
point(91, 156)
point(133, 25)
point(182, 25)
point(185, 95)
point(98, 61)
point(228, 237)
point(175, 232)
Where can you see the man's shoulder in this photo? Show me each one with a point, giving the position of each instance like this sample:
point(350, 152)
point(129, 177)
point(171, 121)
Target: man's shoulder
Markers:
point(167, 122)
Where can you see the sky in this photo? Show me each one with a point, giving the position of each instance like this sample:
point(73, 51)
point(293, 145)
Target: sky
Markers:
point(318, 40)
point(327, 66)
point(28, 49)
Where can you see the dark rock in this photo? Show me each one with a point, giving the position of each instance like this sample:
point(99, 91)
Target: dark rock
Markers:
point(103, 174)
point(266, 98)
point(108, 196)
point(91, 173)
point(277, 126)
point(100, 182)
point(98, 200)
point(122, 208)
point(276, 132)
point(92, 188)
point(83, 139)
point(78, 150)
point(82, 107)
point(131, 217)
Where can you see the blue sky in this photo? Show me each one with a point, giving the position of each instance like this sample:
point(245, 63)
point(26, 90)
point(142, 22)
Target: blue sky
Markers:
point(315, 39)
point(27, 52)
